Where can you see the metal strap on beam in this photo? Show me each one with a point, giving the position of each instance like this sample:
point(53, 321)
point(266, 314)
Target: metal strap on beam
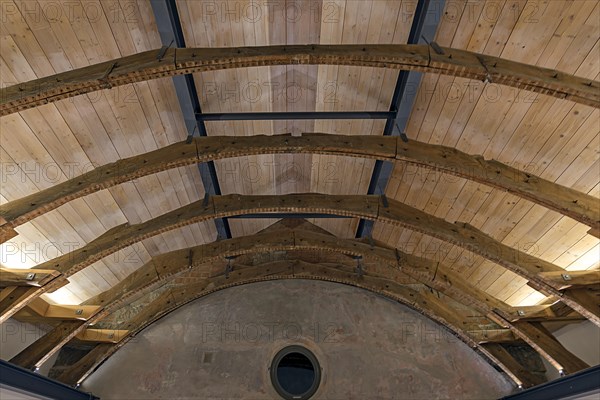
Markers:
point(171, 32)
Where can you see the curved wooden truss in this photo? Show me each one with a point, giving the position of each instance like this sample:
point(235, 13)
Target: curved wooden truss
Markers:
point(172, 297)
point(577, 205)
point(175, 296)
point(159, 63)
point(541, 274)
point(166, 267)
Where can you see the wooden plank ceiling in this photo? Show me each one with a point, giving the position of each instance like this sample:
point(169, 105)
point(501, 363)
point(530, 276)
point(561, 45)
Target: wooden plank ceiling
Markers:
point(555, 139)
point(552, 138)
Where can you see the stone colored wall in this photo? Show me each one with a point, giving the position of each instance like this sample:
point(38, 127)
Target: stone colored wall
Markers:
point(221, 346)
point(16, 336)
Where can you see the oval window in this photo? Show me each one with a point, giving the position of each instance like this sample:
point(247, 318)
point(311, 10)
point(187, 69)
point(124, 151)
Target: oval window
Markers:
point(295, 373)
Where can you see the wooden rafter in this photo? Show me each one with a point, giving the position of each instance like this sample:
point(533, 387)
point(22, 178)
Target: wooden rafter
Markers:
point(24, 277)
point(88, 363)
point(168, 266)
point(65, 312)
point(14, 298)
point(579, 206)
point(367, 207)
point(43, 348)
point(177, 296)
point(502, 357)
point(155, 64)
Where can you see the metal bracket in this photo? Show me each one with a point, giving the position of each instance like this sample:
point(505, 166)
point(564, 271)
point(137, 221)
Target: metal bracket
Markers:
point(398, 258)
point(488, 76)
point(228, 267)
point(384, 200)
point(190, 258)
point(163, 50)
point(401, 134)
point(359, 267)
point(190, 137)
point(205, 200)
point(566, 277)
point(104, 78)
point(371, 242)
point(436, 47)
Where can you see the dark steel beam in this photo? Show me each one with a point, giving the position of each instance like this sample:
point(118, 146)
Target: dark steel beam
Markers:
point(22, 380)
point(427, 17)
point(575, 386)
point(171, 32)
point(287, 215)
point(255, 116)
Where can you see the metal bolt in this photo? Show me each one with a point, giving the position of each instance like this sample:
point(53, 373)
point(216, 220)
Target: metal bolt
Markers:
point(520, 313)
point(566, 277)
point(111, 335)
point(30, 276)
point(79, 311)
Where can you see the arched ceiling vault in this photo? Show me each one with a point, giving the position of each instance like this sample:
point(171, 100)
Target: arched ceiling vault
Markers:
point(307, 237)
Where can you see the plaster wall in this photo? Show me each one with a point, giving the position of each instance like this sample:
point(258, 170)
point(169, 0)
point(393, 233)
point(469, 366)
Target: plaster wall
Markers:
point(16, 336)
point(582, 339)
point(221, 346)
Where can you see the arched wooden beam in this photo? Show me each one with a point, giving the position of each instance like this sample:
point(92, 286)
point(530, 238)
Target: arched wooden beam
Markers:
point(24, 277)
point(167, 266)
point(367, 207)
point(175, 297)
point(444, 280)
point(579, 206)
point(41, 350)
point(423, 302)
point(14, 298)
point(156, 64)
point(370, 207)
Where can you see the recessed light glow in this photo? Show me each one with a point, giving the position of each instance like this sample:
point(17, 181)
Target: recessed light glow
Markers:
point(533, 299)
point(62, 296)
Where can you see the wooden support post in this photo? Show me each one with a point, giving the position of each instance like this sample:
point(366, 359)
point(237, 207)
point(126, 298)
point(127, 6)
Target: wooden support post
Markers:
point(499, 353)
point(546, 344)
point(88, 362)
point(13, 298)
point(43, 348)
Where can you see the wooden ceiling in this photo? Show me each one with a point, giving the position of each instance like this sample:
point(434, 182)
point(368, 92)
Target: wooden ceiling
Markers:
point(552, 138)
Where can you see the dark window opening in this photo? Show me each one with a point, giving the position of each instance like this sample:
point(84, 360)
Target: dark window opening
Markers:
point(295, 373)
